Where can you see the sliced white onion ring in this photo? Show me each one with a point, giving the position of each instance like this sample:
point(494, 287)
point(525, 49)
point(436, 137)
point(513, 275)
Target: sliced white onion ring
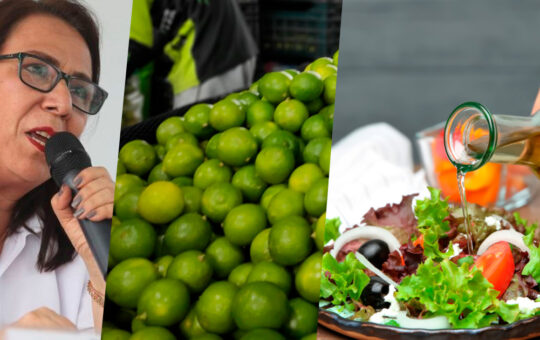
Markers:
point(511, 236)
point(374, 269)
point(366, 232)
point(436, 322)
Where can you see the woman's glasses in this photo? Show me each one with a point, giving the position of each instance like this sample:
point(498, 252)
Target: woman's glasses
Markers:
point(41, 75)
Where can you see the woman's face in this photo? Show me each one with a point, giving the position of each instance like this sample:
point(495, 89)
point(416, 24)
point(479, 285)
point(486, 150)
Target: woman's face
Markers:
point(25, 112)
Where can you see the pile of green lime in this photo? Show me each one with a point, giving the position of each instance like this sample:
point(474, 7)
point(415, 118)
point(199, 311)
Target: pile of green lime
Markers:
point(218, 227)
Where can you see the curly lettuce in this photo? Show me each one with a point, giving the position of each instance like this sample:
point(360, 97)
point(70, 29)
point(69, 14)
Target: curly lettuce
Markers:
point(331, 229)
point(431, 214)
point(343, 281)
point(533, 267)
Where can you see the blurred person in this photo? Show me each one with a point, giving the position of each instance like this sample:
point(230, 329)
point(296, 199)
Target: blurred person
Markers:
point(49, 70)
point(200, 49)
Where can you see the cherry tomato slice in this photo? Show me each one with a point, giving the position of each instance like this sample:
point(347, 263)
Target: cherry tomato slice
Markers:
point(497, 265)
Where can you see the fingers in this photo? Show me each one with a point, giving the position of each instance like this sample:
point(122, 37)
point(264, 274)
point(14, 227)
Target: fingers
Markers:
point(44, 318)
point(95, 198)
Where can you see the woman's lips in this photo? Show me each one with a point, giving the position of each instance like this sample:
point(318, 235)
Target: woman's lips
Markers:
point(39, 136)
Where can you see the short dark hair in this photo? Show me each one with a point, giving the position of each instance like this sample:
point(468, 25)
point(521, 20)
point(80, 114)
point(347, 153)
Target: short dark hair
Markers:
point(55, 249)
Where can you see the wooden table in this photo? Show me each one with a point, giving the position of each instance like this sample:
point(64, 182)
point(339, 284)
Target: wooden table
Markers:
point(530, 212)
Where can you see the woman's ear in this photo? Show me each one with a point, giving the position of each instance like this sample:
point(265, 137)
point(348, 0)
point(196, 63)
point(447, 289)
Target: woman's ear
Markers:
point(536, 105)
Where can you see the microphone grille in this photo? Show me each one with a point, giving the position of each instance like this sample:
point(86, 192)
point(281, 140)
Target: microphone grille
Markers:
point(64, 153)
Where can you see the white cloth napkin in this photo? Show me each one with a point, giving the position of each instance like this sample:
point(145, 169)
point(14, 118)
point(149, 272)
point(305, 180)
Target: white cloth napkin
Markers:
point(371, 167)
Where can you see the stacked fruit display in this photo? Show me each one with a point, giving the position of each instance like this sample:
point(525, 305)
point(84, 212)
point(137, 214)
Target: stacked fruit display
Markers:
point(218, 228)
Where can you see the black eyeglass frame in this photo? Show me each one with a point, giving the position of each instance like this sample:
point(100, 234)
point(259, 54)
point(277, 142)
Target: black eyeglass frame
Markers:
point(60, 75)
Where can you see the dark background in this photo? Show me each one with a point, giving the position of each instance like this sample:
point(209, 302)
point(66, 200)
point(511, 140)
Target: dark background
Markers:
point(411, 62)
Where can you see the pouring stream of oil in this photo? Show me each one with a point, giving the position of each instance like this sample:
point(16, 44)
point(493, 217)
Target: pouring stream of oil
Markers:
point(461, 186)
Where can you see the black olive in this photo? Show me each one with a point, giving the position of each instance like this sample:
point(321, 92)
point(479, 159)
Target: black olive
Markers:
point(374, 293)
point(376, 251)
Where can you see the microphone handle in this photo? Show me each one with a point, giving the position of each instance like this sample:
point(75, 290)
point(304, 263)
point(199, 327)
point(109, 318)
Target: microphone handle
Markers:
point(98, 234)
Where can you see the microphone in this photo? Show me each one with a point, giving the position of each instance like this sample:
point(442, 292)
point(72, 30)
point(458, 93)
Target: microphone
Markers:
point(66, 157)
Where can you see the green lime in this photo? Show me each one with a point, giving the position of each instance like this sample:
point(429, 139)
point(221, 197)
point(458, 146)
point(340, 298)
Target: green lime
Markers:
point(224, 256)
point(192, 199)
point(125, 183)
point(243, 223)
point(210, 172)
point(163, 302)
point(254, 88)
point(162, 264)
point(320, 62)
point(114, 334)
point(152, 333)
point(190, 231)
point(319, 232)
point(308, 278)
point(272, 273)
point(161, 150)
point(214, 307)
point(312, 336)
point(314, 127)
point(315, 105)
point(138, 156)
point(275, 86)
point(284, 139)
point(132, 238)
point(290, 240)
point(168, 128)
point(335, 58)
point(262, 334)
point(190, 326)
point(249, 183)
point(211, 147)
point(157, 174)
point(262, 130)
point(239, 275)
point(330, 89)
point(316, 196)
point(226, 114)
point(302, 319)
point(121, 168)
point(183, 181)
point(137, 324)
point(258, 112)
point(236, 146)
point(192, 268)
point(292, 72)
point(247, 98)
point(328, 114)
point(181, 138)
point(218, 199)
point(196, 120)
point(274, 164)
point(126, 206)
point(270, 193)
point(314, 148)
point(290, 115)
point(324, 158)
point(259, 250)
point(127, 280)
point(285, 203)
point(303, 177)
point(325, 70)
point(255, 302)
point(160, 202)
point(306, 86)
point(182, 160)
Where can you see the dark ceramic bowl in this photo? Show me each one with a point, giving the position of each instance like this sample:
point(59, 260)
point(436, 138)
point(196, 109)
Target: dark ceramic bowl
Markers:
point(524, 329)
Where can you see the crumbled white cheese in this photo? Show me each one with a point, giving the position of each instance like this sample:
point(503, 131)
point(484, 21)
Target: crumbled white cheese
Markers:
point(526, 305)
point(457, 249)
point(390, 312)
point(497, 222)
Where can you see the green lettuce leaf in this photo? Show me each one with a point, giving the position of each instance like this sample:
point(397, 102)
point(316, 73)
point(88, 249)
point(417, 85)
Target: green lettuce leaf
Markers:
point(331, 229)
point(460, 293)
point(431, 213)
point(346, 280)
point(533, 266)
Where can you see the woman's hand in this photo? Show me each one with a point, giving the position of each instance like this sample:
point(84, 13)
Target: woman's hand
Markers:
point(44, 318)
point(94, 202)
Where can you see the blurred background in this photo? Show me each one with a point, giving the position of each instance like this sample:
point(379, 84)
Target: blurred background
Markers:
point(411, 62)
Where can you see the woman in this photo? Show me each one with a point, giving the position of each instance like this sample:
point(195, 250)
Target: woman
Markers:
point(49, 68)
